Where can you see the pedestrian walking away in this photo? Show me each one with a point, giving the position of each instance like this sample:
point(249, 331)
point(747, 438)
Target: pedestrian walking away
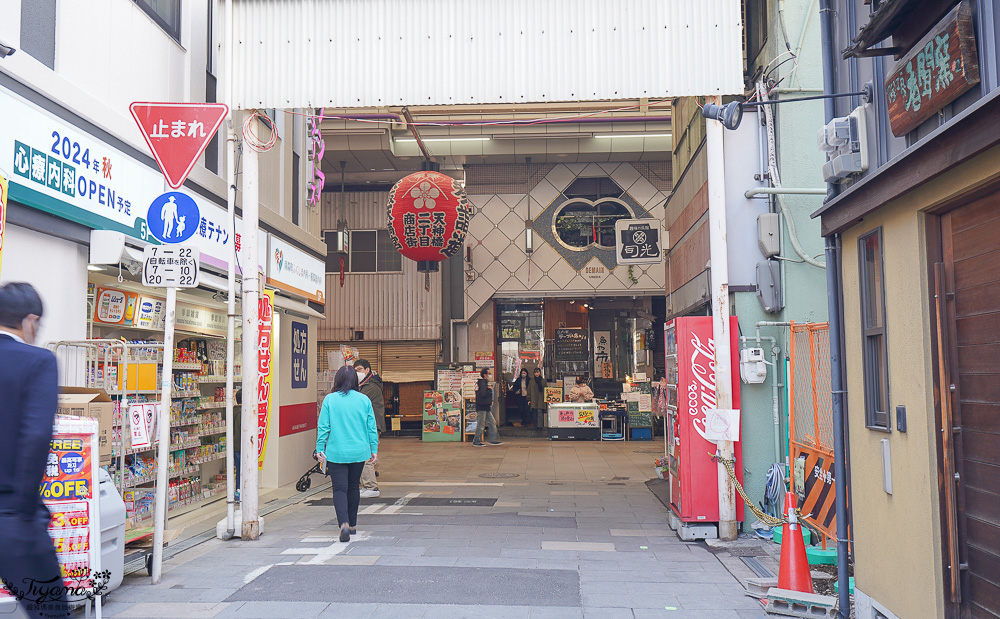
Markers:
point(484, 411)
point(346, 438)
point(29, 390)
point(370, 384)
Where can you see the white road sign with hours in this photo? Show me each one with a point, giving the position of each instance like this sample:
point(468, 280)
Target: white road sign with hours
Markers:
point(170, 266)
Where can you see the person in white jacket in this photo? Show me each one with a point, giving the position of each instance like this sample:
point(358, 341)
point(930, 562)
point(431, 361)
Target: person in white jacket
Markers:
point(581, 392)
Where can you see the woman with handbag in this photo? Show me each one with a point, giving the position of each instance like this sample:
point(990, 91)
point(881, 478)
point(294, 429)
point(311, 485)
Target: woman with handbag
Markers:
point(346, 438)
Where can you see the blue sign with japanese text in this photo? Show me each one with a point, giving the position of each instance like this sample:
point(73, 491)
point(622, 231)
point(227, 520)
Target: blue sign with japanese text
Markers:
point(173, 217)
point(300, 356)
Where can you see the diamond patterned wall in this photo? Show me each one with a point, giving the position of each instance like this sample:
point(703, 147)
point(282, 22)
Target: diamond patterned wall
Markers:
point(496, 236)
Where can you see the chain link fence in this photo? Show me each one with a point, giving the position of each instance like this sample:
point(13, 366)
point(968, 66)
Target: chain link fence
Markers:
point(811, 408)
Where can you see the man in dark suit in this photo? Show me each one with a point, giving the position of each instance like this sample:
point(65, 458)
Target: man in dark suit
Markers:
point(29, 389)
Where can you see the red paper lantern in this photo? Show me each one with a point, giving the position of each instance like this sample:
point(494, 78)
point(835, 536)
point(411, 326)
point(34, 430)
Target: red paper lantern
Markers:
point(428, 216)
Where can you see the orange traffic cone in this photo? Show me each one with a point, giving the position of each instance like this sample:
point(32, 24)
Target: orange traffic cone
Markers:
point(793, 570)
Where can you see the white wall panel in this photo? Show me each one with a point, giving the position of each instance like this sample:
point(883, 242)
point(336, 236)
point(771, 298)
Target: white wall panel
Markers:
point(351, 53)
point(386, 306)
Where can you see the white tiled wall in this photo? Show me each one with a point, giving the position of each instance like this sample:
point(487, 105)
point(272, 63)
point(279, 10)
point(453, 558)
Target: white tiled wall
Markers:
point(496, 236)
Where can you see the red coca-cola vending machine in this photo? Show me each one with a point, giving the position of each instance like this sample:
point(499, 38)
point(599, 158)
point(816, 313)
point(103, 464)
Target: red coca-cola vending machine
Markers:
point(691, 392)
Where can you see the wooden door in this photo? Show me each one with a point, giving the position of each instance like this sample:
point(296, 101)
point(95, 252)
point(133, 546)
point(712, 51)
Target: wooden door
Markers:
point(967, 285)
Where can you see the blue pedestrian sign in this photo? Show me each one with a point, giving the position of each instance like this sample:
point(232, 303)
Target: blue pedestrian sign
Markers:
point(173, 217)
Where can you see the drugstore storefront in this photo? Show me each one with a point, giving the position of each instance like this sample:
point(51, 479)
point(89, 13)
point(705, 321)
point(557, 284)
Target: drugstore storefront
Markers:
point(75, 229)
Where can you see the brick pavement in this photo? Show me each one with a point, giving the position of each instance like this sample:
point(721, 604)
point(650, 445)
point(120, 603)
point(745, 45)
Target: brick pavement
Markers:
point(575, 534)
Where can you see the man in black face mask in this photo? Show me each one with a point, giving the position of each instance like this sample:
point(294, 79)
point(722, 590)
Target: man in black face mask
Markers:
point(29, 390)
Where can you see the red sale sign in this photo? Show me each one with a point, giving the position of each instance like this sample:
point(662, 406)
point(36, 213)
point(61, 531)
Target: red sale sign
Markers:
point(177, 133)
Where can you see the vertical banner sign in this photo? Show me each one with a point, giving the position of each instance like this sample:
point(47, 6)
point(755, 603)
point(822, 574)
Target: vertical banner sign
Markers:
point(69, 490)
point(3, 213)
point(265, 378)
point(602, 351)
point(142, 423)
point(300, 355)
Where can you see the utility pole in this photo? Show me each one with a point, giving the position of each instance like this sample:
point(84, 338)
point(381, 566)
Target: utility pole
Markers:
point(251, 323)
point(719, 253)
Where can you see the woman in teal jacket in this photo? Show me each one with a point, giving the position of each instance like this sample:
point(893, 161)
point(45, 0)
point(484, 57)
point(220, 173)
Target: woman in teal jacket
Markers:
point(346, 438)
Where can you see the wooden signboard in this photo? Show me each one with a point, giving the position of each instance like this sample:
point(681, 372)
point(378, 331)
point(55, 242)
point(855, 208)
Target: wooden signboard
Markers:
point(938, 69)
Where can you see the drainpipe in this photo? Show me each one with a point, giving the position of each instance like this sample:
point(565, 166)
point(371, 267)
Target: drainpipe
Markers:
point(833, 282)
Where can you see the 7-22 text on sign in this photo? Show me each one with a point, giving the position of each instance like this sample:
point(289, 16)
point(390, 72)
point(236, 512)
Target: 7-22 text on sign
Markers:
point(170, 266)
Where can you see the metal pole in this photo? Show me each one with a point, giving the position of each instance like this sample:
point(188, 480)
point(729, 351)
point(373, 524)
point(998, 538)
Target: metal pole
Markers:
point(163, 432)
point(720, 312)
point(231, 276)
point(251, 319)
point(837, 386)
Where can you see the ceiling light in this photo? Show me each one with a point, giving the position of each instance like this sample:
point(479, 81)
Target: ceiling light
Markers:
point(633, 135)
point(542, 136)
point(484, 138)
point(95, 267)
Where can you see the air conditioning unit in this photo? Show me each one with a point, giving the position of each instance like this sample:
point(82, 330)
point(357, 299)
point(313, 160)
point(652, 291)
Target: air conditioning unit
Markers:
point(845, 142)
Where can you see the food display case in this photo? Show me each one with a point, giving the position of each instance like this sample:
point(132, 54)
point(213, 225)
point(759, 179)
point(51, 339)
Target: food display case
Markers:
point(572, 421)
point(691, 392)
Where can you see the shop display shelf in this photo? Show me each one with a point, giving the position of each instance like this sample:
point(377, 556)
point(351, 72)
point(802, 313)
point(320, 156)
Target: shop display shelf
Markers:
point(212, 431)
point(186, 367)
point(206, 380)
point(132, 482)
point(206, 459)
point(189, 422)
point(176, 395)
point(187, 444)
point(215, 405)
point(143, 527)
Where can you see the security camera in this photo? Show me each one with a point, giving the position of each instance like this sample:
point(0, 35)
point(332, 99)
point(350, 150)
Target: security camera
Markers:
point(6, 50)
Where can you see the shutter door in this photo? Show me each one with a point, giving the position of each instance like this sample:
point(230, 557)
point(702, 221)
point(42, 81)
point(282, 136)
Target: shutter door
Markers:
point(407, 362)
point(366, 350)
point(972, 268)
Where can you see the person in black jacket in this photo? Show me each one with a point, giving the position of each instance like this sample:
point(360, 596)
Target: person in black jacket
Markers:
point(484, 411)
point(519, 389)
point(370, 384)
point(29, 390)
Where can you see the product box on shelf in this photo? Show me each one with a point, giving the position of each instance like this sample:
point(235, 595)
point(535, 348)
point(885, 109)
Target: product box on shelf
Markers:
point(94, 403)
point(141, 376)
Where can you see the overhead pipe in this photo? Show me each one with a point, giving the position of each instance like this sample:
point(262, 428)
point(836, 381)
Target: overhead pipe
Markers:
point(833, 284)
point(775, 191)
point(407, 119)
point(416, 135)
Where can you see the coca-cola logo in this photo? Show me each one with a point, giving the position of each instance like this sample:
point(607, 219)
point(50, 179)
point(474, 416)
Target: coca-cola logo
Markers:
point(701, 392)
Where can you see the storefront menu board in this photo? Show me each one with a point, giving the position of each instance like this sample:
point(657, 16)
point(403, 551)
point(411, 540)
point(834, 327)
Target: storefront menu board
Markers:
point(571, 345)
point(442, 420)
point(640, 404)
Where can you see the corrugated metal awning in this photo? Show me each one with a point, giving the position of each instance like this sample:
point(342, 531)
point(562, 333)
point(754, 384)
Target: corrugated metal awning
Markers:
point(378, 53)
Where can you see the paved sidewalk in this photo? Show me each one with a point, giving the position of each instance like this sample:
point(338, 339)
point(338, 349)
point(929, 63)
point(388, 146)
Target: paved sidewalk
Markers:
point(575, 534)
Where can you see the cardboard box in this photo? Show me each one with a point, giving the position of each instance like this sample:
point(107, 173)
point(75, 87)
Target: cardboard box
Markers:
point(94, 403)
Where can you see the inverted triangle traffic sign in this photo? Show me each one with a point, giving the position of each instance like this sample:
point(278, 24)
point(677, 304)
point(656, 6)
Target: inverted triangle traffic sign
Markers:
point(177, 133)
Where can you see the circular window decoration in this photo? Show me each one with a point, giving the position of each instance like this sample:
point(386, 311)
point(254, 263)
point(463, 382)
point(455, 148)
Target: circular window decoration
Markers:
point(580, 224)
point(428, 216)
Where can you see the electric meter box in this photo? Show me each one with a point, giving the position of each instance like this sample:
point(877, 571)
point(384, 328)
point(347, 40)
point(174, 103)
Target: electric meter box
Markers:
point(767, 234)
